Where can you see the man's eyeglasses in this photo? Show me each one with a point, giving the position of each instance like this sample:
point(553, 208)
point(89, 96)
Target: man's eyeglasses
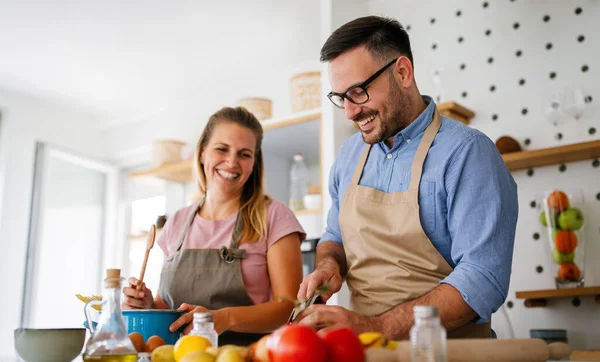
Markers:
point(358, 93)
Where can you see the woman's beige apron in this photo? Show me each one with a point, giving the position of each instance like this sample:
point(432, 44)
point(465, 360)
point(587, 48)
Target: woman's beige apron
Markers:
point(211, 278)
point(390, 258)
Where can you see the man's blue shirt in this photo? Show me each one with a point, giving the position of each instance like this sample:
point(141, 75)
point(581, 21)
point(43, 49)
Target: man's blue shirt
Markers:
point(467, 198)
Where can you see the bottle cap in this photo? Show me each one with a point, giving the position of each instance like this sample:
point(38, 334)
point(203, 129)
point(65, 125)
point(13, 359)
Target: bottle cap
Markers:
point(425, 311)
point(203, 317)
point(298, 156)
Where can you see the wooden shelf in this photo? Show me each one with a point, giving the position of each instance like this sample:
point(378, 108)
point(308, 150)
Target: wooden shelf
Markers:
point(175, 171)
point(143, 235)
point(552, 156)
point(538, 298)
point(456, 111)
point(308, 211)
point(273, 140)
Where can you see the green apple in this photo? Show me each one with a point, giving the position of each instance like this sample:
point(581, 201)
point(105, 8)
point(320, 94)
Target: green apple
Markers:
point(570, 219)
point(553, 221)
point(562, 258)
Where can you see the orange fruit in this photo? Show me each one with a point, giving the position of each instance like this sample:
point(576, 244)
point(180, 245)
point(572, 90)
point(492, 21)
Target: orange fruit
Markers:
point(557, 201)
point(569, 272)
point(565, 241)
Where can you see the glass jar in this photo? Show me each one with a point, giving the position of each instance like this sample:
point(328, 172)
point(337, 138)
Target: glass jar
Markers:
point(563, 218)
point(427, 336)
point(205, 327)
point(110, 341)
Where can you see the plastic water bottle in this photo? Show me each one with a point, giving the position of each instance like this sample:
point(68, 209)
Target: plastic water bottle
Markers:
point(427, 336)
point(205, 327)
point(298, 183)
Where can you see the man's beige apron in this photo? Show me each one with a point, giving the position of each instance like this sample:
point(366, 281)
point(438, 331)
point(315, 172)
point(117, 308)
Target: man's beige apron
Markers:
point(390, 258)
point(211, 278)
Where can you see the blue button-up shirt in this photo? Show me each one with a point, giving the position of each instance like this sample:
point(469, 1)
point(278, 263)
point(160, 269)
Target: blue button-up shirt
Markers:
point(467, 198)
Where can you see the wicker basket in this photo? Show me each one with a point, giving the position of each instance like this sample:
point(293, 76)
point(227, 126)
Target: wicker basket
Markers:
point(262, 108)
point(306, 91)
point(165, 151)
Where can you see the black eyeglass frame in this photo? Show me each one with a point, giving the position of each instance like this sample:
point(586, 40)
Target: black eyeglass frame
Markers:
point(362, 86)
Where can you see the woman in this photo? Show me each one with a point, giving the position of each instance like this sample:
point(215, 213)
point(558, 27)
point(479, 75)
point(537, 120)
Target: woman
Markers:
point(236, 252)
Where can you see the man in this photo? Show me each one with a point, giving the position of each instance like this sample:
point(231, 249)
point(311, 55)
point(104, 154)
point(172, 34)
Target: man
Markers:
point(423, 210)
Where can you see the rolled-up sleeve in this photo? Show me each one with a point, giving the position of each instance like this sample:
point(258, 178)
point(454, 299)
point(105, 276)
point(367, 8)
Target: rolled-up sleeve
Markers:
point(332, 229)
point(482, 216)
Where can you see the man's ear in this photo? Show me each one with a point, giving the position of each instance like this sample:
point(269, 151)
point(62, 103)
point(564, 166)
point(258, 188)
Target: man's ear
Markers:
point(403, 72)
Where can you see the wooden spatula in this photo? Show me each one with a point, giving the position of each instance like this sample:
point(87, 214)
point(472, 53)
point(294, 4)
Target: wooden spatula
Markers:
point(149, 245)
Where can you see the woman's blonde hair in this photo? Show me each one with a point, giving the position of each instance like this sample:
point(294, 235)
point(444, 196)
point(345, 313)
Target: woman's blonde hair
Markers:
point(254, 201)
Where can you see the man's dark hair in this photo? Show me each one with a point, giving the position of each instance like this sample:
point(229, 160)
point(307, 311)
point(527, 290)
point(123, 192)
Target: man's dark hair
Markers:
point(383, 37)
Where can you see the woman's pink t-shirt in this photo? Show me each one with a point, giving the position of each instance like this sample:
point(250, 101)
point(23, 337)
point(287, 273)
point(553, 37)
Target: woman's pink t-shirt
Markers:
point(213, 234)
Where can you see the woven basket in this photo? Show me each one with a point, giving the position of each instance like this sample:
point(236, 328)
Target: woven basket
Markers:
point(306, 91)
point(262, 108)
point(166, 151)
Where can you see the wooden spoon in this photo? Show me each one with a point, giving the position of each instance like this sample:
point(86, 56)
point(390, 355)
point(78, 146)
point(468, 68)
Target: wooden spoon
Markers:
point(149, 245)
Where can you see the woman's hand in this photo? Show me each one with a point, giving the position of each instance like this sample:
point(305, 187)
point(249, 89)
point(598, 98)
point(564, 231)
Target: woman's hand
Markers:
point(134, 299)
point(219, 318)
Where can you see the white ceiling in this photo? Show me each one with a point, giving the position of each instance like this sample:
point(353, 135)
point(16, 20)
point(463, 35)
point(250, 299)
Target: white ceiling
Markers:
point(122, 61)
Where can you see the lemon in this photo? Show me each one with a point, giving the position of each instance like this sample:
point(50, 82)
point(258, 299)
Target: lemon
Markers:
point(198, 357)
point(372, 339)
point(163, 354)
point(188, 344)
point(230, 355)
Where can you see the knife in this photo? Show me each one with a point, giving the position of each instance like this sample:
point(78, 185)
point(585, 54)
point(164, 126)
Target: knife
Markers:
point(302, 306)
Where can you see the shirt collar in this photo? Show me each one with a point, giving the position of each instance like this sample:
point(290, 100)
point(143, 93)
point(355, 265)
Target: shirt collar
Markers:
point(417, 126)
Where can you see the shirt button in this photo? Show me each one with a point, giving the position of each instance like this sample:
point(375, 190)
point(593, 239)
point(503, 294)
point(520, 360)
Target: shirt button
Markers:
point(408, 140)
point(389, 155)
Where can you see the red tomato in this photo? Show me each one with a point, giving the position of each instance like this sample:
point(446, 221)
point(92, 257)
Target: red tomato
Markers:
point(342, 345)
point(295, 343)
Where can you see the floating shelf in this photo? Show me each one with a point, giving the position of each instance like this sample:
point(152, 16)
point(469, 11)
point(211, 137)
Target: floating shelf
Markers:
point(275, 140)
point(308, 211)
point(552, 156)
point(173, 171)
point(456, 111)
point(538, 298)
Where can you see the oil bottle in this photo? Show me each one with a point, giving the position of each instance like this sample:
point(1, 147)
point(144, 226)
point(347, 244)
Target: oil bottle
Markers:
point(110, 341)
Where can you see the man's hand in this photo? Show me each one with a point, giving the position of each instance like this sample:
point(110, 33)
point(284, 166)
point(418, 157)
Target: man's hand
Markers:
point(320, 316)
point(319, 277)
point(219, 318)
point(330, 269)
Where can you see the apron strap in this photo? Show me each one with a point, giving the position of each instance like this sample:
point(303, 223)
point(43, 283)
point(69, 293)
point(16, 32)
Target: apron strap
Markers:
point(188, 224)
point(227, 254)
point(233, 252)
point(358, 170)
point(422, 150)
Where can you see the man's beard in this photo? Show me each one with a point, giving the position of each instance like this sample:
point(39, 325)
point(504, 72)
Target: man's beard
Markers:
point(392, 118)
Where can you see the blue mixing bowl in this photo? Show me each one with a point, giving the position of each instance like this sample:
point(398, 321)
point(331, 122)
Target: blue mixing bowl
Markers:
point(152, 322)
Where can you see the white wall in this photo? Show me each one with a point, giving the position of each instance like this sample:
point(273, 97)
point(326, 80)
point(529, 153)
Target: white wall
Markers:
point(566, 57)
point(25, 121)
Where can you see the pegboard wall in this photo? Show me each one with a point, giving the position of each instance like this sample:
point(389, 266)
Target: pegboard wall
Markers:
point(529, 70)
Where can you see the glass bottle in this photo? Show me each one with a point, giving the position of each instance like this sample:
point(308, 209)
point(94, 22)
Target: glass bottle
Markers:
point(298, 183)
point(427, 336)
point(144, 357)
point(205, 327)
point(110, 341)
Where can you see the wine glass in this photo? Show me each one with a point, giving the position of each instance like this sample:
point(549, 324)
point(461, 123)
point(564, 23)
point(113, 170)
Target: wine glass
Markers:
point(574, 102)
point(554, 108)
point(436, 78)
